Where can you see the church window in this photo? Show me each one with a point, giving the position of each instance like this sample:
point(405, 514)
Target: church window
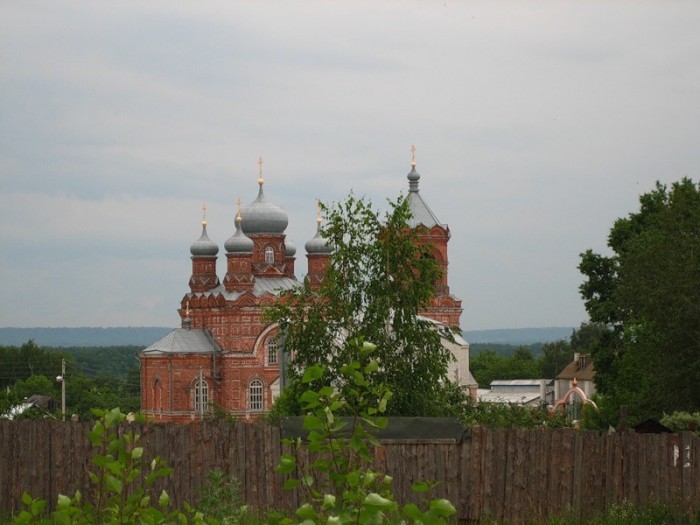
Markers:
point(269, 255)
point(271, 348)
point(201, 396)
point(256, 395)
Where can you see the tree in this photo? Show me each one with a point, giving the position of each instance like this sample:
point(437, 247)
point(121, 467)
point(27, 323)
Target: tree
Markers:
point(378, 278)
point(648, 293)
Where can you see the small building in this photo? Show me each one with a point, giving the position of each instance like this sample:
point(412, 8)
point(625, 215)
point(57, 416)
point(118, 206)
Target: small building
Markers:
point(525, 392)
point(44, 405)
point(579, 370)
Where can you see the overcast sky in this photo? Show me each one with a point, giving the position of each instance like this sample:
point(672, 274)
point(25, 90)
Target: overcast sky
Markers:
point(536, 125)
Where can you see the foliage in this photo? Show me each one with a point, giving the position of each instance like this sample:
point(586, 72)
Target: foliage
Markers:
point(501, 415)
point(30, 370)
point(648, 293)
point(337, 485)
point(503, 349)
point(94, 361)
point(489, 366)
point(121, 494)
point(20, 363)
point(378, 279)
point(221, 498)
point(680, 421)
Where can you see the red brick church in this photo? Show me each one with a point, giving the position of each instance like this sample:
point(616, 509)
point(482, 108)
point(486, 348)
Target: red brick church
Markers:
point(225, 356)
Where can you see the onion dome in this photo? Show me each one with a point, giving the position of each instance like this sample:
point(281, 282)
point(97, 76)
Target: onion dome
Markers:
point(420, 211)
point(238, 242)
point(318, 245)
point(261, 216)
point(289, 249)
point(204, 246)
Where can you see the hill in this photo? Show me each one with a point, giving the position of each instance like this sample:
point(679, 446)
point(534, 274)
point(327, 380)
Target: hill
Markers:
point(70, 337)
point(144, 336)
point(519, 336)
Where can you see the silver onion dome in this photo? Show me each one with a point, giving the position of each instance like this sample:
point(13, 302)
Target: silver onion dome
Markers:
point(238, 242)
point(204, 246)
point(261, 216)
point(318, 245)
point(289, 249)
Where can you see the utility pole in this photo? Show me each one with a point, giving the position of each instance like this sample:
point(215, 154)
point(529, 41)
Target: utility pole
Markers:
point(62, 379)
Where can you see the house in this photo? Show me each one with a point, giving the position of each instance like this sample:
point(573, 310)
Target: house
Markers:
point(579, 370)
point(526, 392)
point(226, 355)
point(42, 405)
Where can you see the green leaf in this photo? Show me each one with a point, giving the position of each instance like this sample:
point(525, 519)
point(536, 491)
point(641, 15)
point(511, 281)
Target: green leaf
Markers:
point(63, 501)
point(291, 484)
point(287, 464)
point(137, 453)
point(113, 484)
point(412, 511)
point(368, 348)
point(372, 366)
point(306, 511)
point(26, 498)
point(311, 373)
point(443, 507)
point(38, 506)
point(375, 500)
point(113, 417)
point(420, 486)
point(312, 422)
point(164, 499)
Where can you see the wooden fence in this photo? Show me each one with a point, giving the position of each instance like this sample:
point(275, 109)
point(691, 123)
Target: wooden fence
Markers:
point(510, 475)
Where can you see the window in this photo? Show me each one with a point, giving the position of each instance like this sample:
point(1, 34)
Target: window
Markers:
point(269, 255)
point(157, 395)
point(201, 396)
point(256, 395)
point(271, 348)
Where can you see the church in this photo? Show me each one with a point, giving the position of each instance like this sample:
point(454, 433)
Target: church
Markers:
point(225, 356)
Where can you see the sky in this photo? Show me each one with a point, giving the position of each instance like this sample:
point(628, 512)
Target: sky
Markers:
point(536, 125)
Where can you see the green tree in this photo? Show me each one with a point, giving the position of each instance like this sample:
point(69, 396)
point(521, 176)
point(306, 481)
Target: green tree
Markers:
point(489, 365)
point(379, 277)
point(648, 293)
point(555, 356)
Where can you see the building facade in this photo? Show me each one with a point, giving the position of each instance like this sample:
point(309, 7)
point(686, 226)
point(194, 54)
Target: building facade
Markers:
point(226, 356)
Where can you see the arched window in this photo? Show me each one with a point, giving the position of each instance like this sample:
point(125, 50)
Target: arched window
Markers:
point(255, 395)
point(269, 255)
point(271, 349)
point(201, 396)
point(157, 395)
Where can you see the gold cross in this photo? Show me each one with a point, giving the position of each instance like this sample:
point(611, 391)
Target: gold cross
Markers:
point(413, 154)
point(318, 211)
point(260, 177)
point(238, 204)
point(204, 213)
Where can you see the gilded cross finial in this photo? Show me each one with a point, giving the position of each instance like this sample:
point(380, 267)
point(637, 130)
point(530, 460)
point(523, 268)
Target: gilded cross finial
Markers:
point(260, 177)
point(187, 308)
point(238, 206)
point(318, 211)
point(204, 214)
point(413, 155)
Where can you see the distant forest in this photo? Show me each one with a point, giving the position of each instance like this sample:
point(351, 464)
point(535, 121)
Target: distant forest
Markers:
point(144, 336)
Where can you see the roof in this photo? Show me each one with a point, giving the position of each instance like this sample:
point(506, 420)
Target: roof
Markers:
point(184, 341)
point(575, 370)
point(514, 383)
point(422, 214)
point(261, 286)
point(515, 398)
